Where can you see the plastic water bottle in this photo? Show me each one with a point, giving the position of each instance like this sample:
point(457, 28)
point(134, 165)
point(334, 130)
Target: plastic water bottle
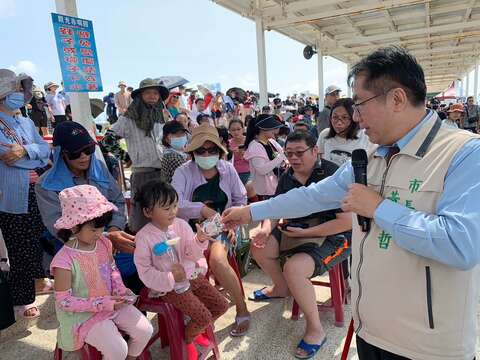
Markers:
point(182, 286)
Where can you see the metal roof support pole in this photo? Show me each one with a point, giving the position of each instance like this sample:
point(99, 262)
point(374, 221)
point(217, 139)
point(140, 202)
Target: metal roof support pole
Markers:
point(321, 91)
point(349, 89)
point(262, 61)
point(467, 87)
point(475, 82)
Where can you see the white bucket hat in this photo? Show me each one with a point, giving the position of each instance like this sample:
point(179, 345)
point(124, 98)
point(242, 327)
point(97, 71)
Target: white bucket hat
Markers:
point(8, 82)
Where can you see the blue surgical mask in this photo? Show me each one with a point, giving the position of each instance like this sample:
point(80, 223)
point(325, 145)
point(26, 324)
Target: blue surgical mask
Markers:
point(14, 101)
point(178, 143)
point(206, 162)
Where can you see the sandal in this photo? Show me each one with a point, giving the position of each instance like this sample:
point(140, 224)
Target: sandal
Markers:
point(22, 311)
point(259, 295)
point(310, 349)
point(239, 321)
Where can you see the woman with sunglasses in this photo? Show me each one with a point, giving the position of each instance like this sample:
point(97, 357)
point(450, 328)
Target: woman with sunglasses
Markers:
point(173, 104)
point(337, 142)
point(264, 154)
point(22, 151)
point(75, 163)
point(207, 185)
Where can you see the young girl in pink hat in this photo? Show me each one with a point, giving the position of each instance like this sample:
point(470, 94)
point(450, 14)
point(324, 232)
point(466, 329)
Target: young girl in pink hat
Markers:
point(91, 302)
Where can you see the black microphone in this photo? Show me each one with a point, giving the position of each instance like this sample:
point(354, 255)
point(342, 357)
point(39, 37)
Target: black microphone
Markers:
point(359, 164)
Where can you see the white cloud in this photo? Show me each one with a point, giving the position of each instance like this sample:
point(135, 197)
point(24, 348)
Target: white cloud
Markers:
point(24, 66)
point(7, 8)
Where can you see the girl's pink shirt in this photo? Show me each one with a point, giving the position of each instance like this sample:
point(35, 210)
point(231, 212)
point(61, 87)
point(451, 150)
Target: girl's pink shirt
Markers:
point(152, 269)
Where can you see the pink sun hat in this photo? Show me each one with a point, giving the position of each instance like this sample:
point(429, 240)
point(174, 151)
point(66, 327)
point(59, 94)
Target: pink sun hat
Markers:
point(80, 204)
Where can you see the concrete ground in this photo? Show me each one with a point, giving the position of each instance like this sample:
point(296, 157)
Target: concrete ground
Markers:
point(272, 335)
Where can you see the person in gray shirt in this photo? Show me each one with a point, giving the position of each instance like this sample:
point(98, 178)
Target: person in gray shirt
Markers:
point(332, 94)
point(471, 115)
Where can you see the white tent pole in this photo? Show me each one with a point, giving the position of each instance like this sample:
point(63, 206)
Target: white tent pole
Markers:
point(349, 89)
point(467, 87)
point(321, 91)
point(79, 102)
point(475, 82)
point(262, 61)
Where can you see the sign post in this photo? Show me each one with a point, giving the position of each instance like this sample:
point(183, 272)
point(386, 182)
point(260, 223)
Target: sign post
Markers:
point(79, 101)
point(77, 53)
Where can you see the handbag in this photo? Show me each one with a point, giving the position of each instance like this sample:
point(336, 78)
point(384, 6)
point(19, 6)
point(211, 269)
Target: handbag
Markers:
point(7, 314)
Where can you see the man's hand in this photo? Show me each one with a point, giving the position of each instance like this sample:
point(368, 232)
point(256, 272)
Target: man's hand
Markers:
point(361, 200)
point(260, 238)
point(121, 241)
point(235, 216)
point(202, 236)
point(178, 273)
point(14, 153)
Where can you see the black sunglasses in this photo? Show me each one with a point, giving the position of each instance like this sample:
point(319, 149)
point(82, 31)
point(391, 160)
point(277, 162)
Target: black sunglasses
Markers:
point(77, 154)
point(201, 150)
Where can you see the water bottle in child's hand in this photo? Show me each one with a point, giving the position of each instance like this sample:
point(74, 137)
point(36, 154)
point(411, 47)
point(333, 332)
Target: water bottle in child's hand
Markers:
point(213, 227)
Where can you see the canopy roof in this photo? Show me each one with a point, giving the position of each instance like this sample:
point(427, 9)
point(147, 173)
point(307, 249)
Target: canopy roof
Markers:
point(443, 34)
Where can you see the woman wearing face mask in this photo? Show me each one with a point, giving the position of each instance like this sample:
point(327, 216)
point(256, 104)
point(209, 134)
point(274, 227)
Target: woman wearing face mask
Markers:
point(22, 150)
point(207, 185)
point(337, 142)
point(264, 154)
point(174, 140)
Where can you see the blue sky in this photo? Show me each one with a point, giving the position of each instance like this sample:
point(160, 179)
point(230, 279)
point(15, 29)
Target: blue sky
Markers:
point(196, 39)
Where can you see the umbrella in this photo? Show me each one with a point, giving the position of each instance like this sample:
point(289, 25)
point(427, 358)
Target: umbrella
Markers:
point(171, 82)
point(237, 94)
point(204, 90)
point(96, 107)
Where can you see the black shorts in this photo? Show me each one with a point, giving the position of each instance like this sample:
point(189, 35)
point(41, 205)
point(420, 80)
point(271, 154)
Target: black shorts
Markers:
point(332, 251)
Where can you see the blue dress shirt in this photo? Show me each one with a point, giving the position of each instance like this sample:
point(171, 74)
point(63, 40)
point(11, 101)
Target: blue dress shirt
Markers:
point(451, 236)
point(14, 180)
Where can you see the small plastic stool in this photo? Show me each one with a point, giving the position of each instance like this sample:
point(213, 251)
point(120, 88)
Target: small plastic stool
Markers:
point(232, 261)
point(171, 328)
point(337, 291)
point(88, 352)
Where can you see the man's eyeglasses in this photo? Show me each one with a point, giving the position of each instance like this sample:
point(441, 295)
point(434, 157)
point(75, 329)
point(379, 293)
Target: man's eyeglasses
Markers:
point(298, 153)
point(77, 154)
point(356, 106)
point(212, 151)
point(175, 97)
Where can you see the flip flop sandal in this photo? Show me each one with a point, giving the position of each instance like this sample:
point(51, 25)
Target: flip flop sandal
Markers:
point(258, 295)
point(239, 320)
point(310, 349)
point(22, 310)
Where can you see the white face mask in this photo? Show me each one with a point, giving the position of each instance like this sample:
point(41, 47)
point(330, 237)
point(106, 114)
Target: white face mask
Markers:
point(179, 142)
point(207, 162)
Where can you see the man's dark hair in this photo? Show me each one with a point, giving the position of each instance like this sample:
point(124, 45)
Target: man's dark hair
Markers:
point(300, 135)
point(352, 130)
point(199, 99)
point(470, 97)
point(391, 67)
point(156, 192)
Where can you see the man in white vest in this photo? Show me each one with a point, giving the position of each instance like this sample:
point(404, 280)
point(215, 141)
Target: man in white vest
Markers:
point(415, 273)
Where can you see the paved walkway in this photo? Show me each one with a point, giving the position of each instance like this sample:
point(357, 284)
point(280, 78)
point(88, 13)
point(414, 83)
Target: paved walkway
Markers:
point(272, 336)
